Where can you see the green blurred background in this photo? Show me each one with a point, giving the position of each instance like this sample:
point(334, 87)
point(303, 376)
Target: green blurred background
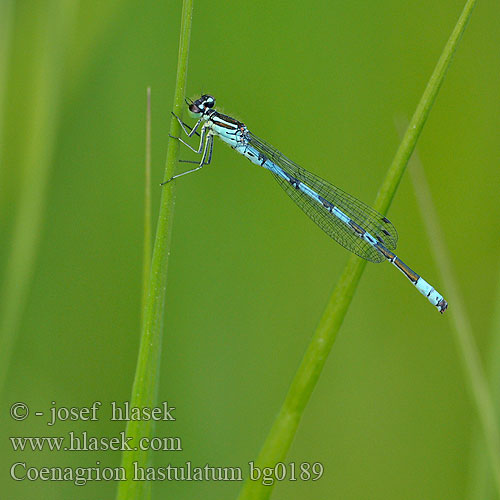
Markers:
point(249, 273)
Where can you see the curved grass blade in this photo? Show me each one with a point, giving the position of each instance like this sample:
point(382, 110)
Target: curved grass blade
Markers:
point(145, 386)
point(285, 426)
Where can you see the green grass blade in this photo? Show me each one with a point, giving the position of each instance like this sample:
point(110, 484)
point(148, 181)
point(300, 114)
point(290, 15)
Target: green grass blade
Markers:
point(146, 258)
point(471, 361)
point(285, 426)
point(56, 24)
point(145, 387)
point(419, 118)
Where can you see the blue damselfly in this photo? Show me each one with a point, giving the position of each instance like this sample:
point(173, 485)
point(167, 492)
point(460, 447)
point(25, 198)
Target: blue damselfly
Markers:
point(350, 222)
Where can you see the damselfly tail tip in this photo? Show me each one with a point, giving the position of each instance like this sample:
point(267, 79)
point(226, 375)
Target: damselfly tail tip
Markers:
point(165, 182)
point(442, 305)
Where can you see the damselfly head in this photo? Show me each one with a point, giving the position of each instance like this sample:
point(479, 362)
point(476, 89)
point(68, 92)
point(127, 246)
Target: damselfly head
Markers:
point(201, 105)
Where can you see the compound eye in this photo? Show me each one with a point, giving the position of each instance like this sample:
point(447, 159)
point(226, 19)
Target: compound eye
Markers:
point(210, 102)
point(194, 109)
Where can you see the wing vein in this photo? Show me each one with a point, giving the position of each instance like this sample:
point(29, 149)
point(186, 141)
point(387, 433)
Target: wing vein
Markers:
point(362, 215)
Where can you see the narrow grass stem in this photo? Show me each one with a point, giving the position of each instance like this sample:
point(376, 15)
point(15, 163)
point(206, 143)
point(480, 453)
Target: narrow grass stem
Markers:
point(145, 386)
point(283, 431)
point(146, 258)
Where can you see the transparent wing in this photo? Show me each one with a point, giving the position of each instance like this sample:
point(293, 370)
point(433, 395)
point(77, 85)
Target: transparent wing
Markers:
point(361, 214)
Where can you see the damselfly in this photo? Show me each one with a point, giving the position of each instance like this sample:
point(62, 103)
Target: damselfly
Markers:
point(347, 220)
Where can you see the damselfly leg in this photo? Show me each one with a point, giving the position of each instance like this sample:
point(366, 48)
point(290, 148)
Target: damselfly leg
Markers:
point(205, 148)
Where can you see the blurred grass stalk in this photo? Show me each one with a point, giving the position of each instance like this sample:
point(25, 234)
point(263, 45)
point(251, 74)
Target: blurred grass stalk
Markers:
point(471, 361)
point(280, 437)
point(145, 386)
point(481, 484)
point(56, 24)
point(6, 22)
